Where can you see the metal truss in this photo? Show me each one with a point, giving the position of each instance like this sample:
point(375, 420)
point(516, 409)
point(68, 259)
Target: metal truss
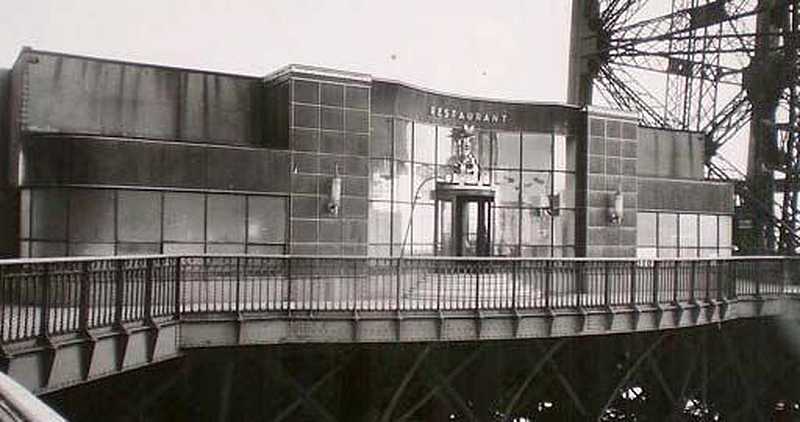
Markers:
point(716, 67)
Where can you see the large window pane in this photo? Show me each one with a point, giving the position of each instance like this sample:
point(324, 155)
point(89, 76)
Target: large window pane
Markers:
point(537, 151)
point(380, 176)
point(507, 184)
point(445, 147)
point(668, 230)
point(536, 227)
point(402, 181)
point(91, 216)
point(266, 219)
point(564, 228)
point(91, 249)
point(424, 224)
point(400, 223)
point(380, 222)
point(402, 140)
point(725, 231)
point(688, 223)
point(508, 152)
point(564, 187)
point(536, 189)
point(225, 218)
point(381, 142)
point(564, 153)
point(506, 231)
point(424, 143)
point(424, 184)
point(139, 216)
point(49, 219)
point(445, 227)
point(183, 217)
point(646, 253)
point(708, 231)
point(646, 229)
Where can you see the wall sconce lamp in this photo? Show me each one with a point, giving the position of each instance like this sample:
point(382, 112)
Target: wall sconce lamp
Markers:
point(336, 193)
point(617, 208)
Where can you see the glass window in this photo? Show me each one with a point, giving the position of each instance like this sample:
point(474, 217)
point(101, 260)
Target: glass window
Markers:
point(708, 231)
point(400, 223)
point(46, 249)
point(507, 150)
point(424, 184)
point(646, 253)
point(537, 151)
point(266, 219)
point(424, 143)
point(225, 248)
point(402, 181)
point(563, 153)
point(266, 249)
point(49, 219)
point(564, 228)
point(139, 216)
point(688, 252)
point(91, 249)
point(138, 248)
point(381, 143)
point(708, 252)
point(402, 140)
point(183, 217)
point(564, 187)
point(507, 184)
point(506, 230)
point(91, 216)
point(424, 224)
point(668, 252)
point(725, 231)
point(485, 151)
point(380, 222)
point(646, 229)
point(667, 230)
point(184, 248)
point(225, 218)
point(445, 147)
point(536, 189)
point(445, 227)
point(536, 227)
point(688, 224)
point(380, 179)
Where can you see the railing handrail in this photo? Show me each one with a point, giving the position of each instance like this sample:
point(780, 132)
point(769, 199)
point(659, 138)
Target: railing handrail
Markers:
point(13, 261)
point(52, 296)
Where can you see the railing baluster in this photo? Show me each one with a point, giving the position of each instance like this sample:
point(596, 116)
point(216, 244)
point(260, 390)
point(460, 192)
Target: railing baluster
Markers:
point(632, 278)
point(148, 290)
point(44, 321)
point(655, 282)
point(177, 297)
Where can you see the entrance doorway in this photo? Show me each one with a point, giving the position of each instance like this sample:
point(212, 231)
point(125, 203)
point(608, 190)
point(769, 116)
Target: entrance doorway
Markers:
point(472, 226)
point(465, 220)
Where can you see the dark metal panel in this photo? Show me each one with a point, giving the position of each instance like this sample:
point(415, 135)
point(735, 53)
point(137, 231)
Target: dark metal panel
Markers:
point(683, 195)
point(78, 95)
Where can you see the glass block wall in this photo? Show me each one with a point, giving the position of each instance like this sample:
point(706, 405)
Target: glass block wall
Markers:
point(526, 169)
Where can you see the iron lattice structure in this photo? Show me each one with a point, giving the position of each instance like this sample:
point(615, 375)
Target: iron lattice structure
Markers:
point(714, 66)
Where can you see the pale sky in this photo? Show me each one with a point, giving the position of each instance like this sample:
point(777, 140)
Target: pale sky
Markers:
point(508, 49)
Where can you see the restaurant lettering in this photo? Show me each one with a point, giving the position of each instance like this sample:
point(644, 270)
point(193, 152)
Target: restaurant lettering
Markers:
point(468, 116)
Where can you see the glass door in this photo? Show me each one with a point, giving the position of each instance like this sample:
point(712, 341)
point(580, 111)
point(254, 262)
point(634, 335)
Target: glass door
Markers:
point(472, 226)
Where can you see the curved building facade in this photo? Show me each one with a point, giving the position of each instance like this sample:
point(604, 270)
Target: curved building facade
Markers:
point(104, 157)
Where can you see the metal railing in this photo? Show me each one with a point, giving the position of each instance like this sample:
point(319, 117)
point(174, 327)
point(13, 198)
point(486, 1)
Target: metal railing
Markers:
point(47, 297)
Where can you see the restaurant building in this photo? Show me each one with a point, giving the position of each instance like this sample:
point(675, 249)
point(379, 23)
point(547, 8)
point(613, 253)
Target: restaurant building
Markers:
point(101, 157)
